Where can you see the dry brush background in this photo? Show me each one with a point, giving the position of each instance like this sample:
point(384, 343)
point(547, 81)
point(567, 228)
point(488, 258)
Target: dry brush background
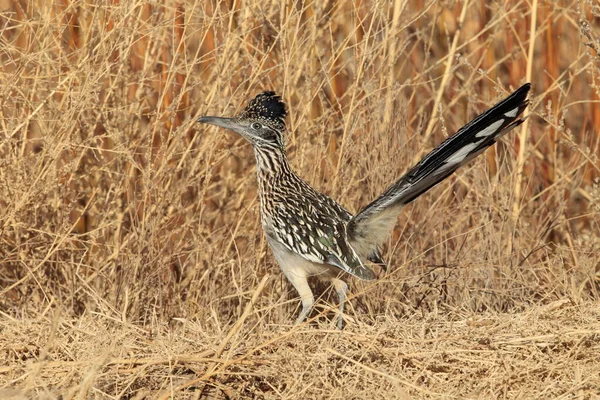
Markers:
point(132, 264)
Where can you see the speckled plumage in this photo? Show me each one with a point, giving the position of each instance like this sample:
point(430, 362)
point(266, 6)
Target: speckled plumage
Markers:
point(311, 234)
point(305, 221)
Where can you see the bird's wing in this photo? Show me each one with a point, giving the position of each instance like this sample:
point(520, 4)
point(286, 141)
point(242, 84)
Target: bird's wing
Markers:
point(315, 229)
point(371, 226)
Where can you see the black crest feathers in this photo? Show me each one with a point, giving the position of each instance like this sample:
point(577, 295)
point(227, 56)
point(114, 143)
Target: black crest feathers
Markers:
point(268, 108)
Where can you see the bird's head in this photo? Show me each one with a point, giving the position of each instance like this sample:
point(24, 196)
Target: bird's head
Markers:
point(262, 122)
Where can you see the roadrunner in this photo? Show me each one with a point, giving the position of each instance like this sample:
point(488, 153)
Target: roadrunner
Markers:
point(311, 234)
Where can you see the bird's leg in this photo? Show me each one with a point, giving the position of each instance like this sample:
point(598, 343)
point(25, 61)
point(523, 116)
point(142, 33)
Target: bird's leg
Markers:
point(307, 303)
point(300, 283)
point(341, 288)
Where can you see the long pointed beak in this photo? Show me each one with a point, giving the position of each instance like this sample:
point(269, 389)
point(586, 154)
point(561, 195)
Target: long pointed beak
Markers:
point(227, 123)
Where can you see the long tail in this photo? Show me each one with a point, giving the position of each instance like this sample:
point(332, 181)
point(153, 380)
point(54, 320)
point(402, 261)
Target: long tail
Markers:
point(371, 227)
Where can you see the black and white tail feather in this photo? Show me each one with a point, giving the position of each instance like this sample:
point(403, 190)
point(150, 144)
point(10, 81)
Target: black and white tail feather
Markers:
point(371, 227)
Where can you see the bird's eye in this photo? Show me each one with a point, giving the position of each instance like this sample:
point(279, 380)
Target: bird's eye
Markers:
point(256, 126)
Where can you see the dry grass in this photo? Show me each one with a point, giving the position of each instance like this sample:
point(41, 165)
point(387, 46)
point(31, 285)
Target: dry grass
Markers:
point(132, 264)
point(544, 352)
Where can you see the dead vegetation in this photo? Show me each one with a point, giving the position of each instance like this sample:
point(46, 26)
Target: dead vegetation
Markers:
point(132, 264)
